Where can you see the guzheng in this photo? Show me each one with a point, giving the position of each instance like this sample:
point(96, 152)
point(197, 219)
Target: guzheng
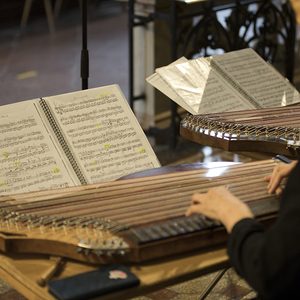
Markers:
point(130, 220)
point(271, 130)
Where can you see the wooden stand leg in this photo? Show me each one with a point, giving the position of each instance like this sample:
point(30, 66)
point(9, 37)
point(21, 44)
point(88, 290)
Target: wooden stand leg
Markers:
point(49, 13)
point(57, 8)
point(26, 11)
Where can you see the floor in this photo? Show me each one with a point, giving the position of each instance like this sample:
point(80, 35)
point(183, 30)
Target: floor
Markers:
point(35, 64)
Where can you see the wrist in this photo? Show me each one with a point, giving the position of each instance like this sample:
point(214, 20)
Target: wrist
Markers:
point(232, 217)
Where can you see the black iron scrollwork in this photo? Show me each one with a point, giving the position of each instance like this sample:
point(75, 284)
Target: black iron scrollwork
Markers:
point(269, 27)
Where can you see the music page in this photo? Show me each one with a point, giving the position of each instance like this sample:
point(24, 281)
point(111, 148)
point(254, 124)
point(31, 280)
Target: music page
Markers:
point(260, 79)
point(158, 82)
point(30, 160)
point(103, 133)
point(201, 88)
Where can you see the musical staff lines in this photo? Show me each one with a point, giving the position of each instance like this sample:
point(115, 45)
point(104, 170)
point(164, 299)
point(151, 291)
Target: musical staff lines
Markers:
point(104, 137)
point(28, 158)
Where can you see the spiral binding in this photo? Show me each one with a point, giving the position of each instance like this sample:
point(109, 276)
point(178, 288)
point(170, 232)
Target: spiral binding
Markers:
point(234, 84)
point(62, 141)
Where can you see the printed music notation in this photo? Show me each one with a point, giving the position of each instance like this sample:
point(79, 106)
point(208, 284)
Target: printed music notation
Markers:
point(19, 125)
point(110, 149)
point(85, 102)
point(29, 160)
point(237, 80)
point(258, 78)
point(100, 126)
point(200, 87)
point(104, 136)
point(88, 136)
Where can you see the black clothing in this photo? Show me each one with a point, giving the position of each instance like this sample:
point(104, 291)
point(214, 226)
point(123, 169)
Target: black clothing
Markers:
point(269, 260)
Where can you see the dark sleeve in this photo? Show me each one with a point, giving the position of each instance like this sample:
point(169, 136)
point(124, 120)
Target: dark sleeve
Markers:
point(270, 259)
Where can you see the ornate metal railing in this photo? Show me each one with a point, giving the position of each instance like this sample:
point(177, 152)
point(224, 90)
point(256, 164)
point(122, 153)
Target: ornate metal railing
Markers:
point(269, 27)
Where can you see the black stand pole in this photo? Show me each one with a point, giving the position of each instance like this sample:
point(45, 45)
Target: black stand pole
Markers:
point(84, 52)
point(217, 278)
point(130, 35)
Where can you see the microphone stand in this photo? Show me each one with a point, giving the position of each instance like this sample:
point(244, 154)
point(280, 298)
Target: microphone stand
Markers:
point(84, 52)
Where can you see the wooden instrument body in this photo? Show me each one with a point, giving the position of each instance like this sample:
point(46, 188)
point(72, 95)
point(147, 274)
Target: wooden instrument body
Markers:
point(150, 208)
point(274, 131)
point(235, 145)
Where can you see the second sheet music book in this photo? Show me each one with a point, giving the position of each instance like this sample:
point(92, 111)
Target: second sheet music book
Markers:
point(237, 80)
point(89, 136)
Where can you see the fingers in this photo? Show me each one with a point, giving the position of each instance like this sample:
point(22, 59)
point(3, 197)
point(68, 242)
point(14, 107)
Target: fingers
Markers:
point(275, 180)
point(279, 191)
point(190, 211)
point(267, 178)
point(279, 172)
point(196, 199)
point(208, 204)
point(221, 205)
point(195, 203)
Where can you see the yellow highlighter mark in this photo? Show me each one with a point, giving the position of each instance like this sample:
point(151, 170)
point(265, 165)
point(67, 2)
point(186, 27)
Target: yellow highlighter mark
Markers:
point(17, 163)
point(5, 154)
point(94, 164)
point(106, 94)
point(3, 184)
point(97, 125)
point(56, 170)
point(142, 150)
point(26, 75)
point(107, 146)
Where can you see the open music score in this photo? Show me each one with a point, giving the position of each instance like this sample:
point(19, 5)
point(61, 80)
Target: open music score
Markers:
point(131, 220)
point(233, 81)
point(272, 130)
point(77, 138)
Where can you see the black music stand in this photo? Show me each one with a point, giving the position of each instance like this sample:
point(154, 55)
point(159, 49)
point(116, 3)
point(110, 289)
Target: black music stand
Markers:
point(84, 52)
point(214, 282)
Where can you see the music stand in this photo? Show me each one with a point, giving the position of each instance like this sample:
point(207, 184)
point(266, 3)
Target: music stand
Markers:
point(84, 52)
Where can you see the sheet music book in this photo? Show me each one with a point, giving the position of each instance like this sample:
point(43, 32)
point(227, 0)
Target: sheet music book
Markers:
point(89, 136)
point(237, 80)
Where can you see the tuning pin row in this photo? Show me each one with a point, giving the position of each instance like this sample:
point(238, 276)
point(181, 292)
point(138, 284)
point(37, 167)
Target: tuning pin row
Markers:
point(114, 246)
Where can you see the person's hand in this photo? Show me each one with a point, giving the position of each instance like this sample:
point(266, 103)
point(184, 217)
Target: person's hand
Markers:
point(279, 172)
point(221, 205)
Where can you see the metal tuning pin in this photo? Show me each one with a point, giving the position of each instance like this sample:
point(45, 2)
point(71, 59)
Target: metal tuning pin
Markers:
point(54, 226)
point(121, 252)
point(79, 250)
point(29, 225)
point(78, 227)
point(87, 251)
point(295, 136)
point(7, 221)
point(65, 228)
point(17, 223)
point(291, 149)
point(41, 225)
point(81, 246)
point(99, 253)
